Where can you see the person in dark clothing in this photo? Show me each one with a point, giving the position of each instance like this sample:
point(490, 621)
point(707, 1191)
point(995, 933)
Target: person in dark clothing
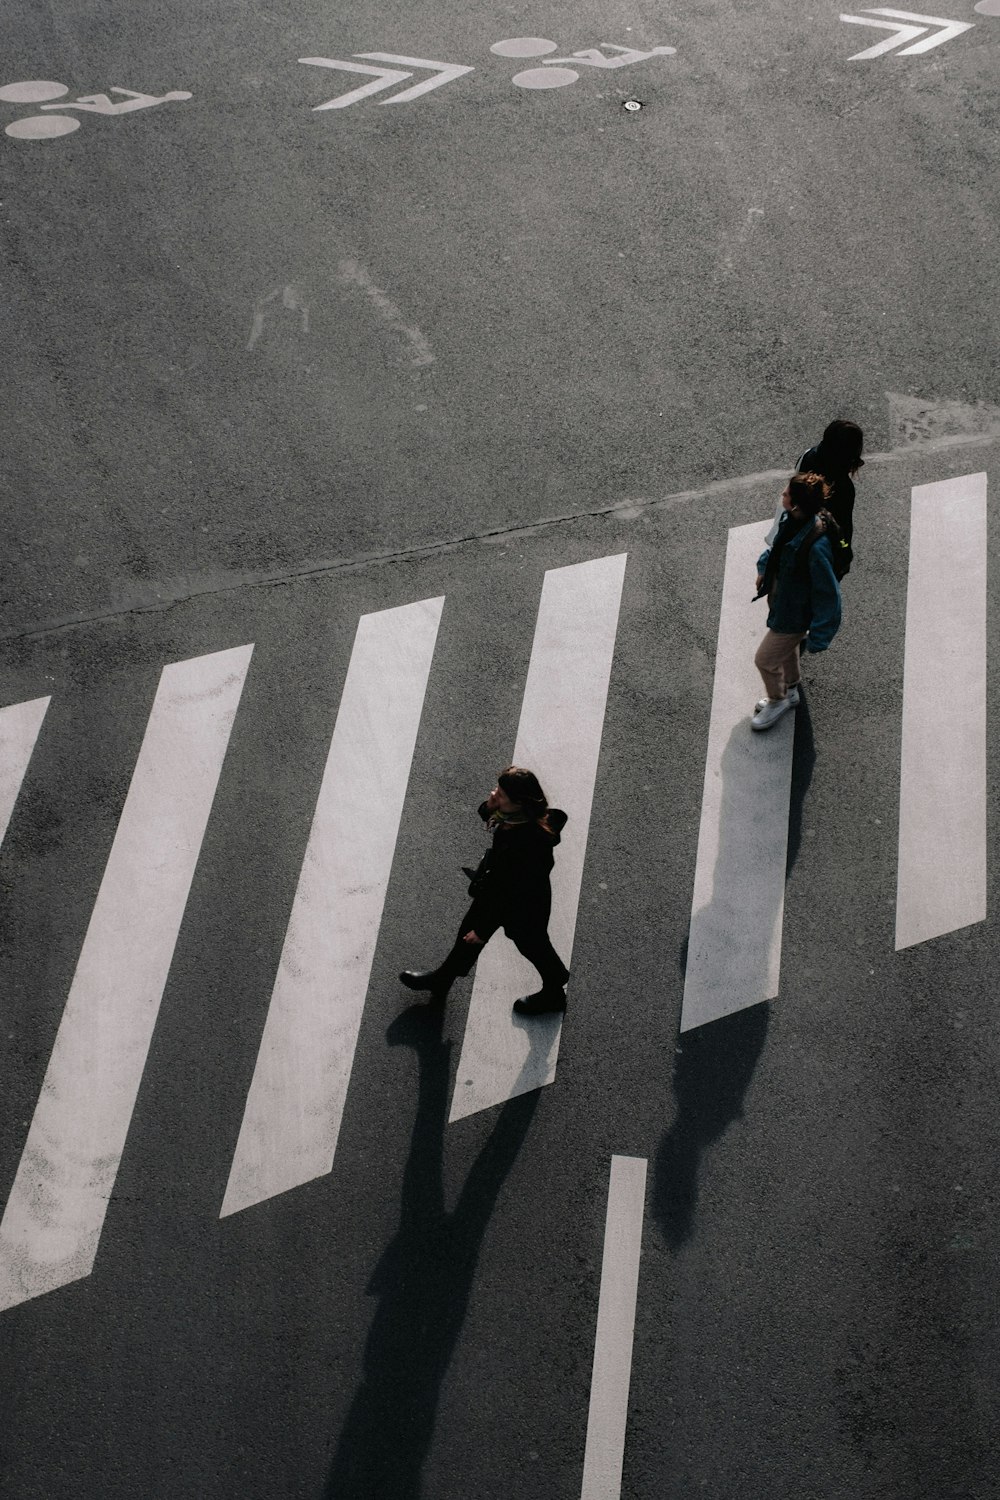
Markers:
point(510, 889)
point(796, 574)
point(838, 458)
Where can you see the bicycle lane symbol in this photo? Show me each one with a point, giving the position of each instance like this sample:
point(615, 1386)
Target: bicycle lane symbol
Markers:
point(551, 75)
point(46, 127)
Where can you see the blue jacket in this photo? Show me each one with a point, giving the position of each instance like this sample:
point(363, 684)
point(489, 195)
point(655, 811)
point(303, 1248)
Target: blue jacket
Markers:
point(803, 592)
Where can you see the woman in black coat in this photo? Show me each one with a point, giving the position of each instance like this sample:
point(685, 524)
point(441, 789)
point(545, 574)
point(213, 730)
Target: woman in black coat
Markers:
point(837, 456)
point(510, 889)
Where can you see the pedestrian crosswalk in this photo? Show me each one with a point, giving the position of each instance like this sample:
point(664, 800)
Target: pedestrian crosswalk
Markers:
point(54, 1215)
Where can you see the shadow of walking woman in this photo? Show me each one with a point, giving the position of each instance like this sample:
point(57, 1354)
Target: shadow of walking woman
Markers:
point(422, 1282)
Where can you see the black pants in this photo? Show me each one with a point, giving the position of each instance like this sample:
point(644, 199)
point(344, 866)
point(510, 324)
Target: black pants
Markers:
point(530, 939)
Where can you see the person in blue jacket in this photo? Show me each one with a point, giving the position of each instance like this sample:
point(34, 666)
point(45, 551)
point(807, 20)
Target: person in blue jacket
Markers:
point(796, 574)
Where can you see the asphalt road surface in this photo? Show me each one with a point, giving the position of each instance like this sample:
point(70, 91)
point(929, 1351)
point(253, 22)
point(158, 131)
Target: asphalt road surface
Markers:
point(273, 370)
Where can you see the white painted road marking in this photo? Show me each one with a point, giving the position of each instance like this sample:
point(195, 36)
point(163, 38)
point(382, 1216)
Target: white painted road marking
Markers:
point(609, 1386)
point(734, 944)
point(55, 1213)
point(904, 32)
point(524, 46)
point(552, 76)
point(559, 737)
point(942, 795)
point(50, 127)
point(593, 57)
point(446, 73)
point(19, 726)
point(296, 1100)
point(102, 104)
point(32, 91)
point(41, 127)
point(385, 77)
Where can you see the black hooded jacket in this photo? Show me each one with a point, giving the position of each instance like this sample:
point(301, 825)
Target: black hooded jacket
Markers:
point(841, 502)
point(511, 886)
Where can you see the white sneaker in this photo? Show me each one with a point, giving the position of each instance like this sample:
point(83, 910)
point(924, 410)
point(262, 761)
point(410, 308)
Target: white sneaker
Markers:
point(792, 700)
point(770, 714)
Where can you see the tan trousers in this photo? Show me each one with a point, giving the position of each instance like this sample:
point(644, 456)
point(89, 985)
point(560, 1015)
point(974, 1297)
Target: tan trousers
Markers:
point(777, 661)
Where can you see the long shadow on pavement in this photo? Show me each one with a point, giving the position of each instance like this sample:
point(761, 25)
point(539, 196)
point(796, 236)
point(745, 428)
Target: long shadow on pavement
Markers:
point(422, 1281)
point(712, 1072)
point(715, 1063)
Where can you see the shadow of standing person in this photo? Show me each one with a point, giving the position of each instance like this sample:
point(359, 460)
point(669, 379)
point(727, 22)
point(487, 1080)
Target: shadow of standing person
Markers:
point(423, 1281)
point(713, 1068)
point(715, 1062)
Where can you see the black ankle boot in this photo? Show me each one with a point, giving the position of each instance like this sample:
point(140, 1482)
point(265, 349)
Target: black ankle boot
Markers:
point(541, 1003)
point(432, 980)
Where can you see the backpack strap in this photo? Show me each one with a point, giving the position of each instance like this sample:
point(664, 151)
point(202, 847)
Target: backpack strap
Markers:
point(824, 525)
point(828, 526)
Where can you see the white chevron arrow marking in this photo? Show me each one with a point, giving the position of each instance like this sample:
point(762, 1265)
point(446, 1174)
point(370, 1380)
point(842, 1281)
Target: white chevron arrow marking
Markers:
point(901, 34)
point(446, 72)
point(385, 77)
point(905, 33)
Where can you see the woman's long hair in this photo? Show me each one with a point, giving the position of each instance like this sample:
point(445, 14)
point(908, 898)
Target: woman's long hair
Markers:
point(841, 445)
point(524, 788)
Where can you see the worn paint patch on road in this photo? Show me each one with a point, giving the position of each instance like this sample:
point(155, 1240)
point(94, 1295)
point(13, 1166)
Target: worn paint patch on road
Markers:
point(351, 274)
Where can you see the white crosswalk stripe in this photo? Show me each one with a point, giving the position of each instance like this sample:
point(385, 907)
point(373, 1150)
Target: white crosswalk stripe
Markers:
point(604, 1453)
point(941, 883)
point(734, 943)
point(19, 727)
point(296, 1101)
point(559, 737)
point(54, 1216)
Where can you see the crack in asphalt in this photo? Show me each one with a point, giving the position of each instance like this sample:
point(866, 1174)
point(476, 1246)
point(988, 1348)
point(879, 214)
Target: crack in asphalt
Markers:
point(157, 599)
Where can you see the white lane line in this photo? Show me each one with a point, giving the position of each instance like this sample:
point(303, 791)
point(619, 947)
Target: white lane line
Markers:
point(559, 738)
point(296, 1099)
point(609, 1385)
point(941, 881)
point(734, 943)
point(55, 1213)
point(19, 726)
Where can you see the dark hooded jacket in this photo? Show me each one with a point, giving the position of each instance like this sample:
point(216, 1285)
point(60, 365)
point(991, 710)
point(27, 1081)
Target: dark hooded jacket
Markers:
point(510, 888)
point(841, 501)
